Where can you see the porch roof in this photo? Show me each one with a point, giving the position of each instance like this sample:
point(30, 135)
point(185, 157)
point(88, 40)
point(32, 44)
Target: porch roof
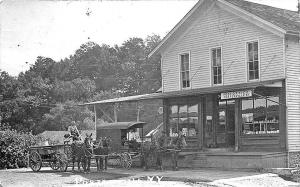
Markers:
point(123, 125)
point(191, 92)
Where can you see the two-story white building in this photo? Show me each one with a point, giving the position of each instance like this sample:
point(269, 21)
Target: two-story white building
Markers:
point(231, 77)
point(231, 84)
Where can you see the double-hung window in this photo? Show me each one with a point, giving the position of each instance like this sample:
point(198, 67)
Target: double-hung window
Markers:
point(216, 65)
point(185, 70)
point(252, 60)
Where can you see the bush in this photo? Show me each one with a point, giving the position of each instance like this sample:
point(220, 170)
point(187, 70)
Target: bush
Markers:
point(14, 148)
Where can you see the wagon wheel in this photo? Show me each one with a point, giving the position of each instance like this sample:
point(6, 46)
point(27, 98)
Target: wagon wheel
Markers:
point(123, 160)
point(35, 161)
point(54, 163)
point(63, 162)
point(128, 160)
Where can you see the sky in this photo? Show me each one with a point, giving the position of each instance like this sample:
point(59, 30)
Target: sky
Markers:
point(55, 29)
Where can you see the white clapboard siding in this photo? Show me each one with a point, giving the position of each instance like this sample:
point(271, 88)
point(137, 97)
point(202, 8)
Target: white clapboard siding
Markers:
point(293, 95)
point(218, 27)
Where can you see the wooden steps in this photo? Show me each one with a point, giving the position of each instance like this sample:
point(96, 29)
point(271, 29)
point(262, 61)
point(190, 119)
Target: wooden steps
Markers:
point(238, 160)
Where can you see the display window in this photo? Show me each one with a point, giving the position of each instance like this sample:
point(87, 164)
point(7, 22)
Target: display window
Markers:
point(260, 113)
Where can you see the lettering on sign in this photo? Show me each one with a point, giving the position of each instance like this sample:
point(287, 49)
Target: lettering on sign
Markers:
point(237, 94)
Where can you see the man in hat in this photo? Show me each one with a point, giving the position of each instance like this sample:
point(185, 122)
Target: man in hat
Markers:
point(162, 146)
point(74, 131)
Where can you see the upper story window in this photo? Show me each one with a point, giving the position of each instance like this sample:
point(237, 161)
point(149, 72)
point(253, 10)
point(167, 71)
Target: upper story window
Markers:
point(252, 60)
point(185, 70)
point(216, 61)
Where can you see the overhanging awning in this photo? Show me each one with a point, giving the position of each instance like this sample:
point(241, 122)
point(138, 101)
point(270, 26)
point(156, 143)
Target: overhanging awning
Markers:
point(122, 125)
point(191, 92)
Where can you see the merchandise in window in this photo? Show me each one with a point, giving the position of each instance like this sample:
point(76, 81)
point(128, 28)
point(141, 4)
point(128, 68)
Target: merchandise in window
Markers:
point(183, 118)
point(260, 115)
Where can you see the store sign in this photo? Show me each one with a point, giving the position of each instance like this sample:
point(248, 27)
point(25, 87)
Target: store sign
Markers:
point(237, 94)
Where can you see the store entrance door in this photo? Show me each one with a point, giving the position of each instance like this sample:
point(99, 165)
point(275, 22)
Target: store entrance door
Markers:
point(225, 124)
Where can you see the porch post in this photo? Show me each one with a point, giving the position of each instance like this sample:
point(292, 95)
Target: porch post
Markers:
point(165, 116)
point(138, 111)
point(201, 122)
point(95, 111)
point(237, 112)
point(115, 113)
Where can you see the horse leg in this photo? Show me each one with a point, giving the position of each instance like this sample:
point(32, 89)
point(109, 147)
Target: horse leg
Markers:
point(101, 163)
point(73, 161)
point(78, 163)
point(88, 164)
point(97, 163)
point(105, 162)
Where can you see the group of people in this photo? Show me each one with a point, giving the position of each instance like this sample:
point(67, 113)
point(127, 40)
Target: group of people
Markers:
point(161, 146)
point(157, 148)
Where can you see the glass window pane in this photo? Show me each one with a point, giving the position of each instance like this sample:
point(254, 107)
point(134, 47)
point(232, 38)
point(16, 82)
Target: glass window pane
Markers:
point(183, 111)
point(273, 114)
point(255, 46)
point(251, 75)
point(187, 68)
point(219, 57)
point(215, 71)
point(222, 121)
point(173, 111)
point(187, 74)
point(193, 110)
point(214, 55)
point(220, 79)
point(184, 85)
point(256, 74)
point(256, 56)
point(215, 79)
point(182, 66)
point(250, 48)
point(259, 114)
point(219, 71)
point(183, 76)
point(256, 65)
point(251, 67)
point(250, 57)
point(247, 116)
point(173, 122)
point(187, 83)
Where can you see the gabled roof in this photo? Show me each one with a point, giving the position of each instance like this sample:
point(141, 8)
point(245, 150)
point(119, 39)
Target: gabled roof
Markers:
point(285, 21)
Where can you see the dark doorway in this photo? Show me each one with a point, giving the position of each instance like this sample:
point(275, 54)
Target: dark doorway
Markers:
point(225, 124)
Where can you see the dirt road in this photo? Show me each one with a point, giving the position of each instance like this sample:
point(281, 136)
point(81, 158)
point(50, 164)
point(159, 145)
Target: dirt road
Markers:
point(47, 177)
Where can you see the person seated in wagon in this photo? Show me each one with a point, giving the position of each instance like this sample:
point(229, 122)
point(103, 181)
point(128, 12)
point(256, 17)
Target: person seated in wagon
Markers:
point(74, 133)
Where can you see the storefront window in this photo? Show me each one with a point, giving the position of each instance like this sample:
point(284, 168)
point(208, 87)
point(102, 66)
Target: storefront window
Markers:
point(184, 118)
point(260, 114)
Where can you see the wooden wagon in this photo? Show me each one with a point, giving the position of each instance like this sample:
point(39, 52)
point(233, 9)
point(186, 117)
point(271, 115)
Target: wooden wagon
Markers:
point(56, 156)
point(126, 140)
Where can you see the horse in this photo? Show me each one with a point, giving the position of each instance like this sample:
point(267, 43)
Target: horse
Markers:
point(102, 148)
point(149, 153)
point(88, 144)
point(176, 144)
point(82, 152)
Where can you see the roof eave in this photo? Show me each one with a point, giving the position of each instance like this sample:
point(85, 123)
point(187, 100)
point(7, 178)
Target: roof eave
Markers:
point(175, 28)
point(280, 31)
point(275, 29)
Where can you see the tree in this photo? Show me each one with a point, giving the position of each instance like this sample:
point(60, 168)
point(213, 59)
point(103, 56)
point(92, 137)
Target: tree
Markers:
point(61, 116)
